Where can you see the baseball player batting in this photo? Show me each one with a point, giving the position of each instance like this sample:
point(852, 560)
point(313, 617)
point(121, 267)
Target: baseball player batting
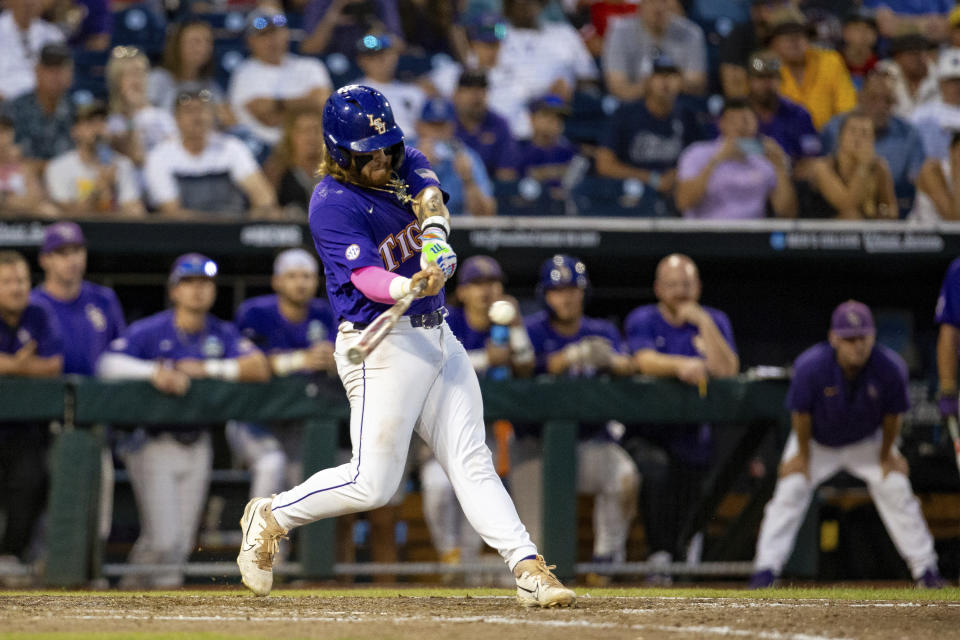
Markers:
point(847, 400)
point(380, 225)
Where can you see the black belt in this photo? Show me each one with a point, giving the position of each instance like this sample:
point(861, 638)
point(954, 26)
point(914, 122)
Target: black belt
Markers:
point(422, 320)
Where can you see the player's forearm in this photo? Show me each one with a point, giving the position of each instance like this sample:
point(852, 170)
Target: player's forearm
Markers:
point(288, 363)
point(721, 360)
point(947, 343)
point(802, 427)
point(891, 431)
point(120, 366)
point(253, 368)
point(557, 363)
point(661, 365)
point(621, 365)
point(31, 366)
point(380, 285)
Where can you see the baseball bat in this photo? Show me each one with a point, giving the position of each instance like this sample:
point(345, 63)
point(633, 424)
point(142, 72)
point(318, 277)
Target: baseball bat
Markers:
point(383, 324)
point(954, 429)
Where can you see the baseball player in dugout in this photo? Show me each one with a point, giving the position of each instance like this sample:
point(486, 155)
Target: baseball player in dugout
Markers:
point(847, 399)
point(675, 338)
point(169, 465)
point(948, 341)
point(379, 222)
point(568, 343)
point(295, 330)
point(31, 346)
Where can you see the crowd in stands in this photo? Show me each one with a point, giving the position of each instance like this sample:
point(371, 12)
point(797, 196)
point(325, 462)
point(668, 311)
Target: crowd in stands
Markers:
point(790, 108)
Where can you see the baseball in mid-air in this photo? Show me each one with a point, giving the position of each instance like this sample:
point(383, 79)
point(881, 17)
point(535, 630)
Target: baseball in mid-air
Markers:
point(502, 312)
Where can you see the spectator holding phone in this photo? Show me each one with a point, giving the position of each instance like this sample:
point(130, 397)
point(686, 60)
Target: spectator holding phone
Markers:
point(736, 175)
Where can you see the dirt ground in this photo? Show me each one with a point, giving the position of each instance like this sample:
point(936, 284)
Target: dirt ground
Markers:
point(469, 618)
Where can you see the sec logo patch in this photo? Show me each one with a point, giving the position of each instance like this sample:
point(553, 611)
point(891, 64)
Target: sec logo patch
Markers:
point(352, 252)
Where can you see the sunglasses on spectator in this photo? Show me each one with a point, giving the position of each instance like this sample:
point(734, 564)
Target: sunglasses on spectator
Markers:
point(203, 95)
point(275, 21)
point(124, 51)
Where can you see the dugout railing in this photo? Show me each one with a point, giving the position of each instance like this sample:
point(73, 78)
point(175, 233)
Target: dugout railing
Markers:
point(76, 406)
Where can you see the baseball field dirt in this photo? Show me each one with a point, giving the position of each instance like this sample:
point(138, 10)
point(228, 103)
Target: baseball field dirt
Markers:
point(424, 614)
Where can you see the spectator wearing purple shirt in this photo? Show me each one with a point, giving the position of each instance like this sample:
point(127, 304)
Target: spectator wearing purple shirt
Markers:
point(546, 156)
point(483, 130)
point(568, 343)
point(734, 176)
point(785, 121)
point(30, 346)
point(93, 33)
point(948, 341)
point(896, 17)
point(169, 465)
point(295, 330)
point(675, 338)
point(335, 26)
point(847, 400)
point(89, 315)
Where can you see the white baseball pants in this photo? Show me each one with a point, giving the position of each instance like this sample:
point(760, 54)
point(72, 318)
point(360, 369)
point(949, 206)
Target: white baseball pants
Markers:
point(893, 496)
point(419, 379)
point(170, 482)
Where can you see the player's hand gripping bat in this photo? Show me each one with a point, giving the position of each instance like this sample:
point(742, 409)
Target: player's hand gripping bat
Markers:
point(383, 324)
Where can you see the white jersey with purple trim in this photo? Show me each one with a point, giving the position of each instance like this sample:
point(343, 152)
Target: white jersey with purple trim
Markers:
point(355, 227)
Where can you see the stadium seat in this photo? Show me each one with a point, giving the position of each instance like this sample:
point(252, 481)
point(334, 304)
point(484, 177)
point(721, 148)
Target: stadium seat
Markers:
point(227, 54)
point(139, 26)
point(595, 196)
point(342, 69)
point(589, 113)
point(526, 197)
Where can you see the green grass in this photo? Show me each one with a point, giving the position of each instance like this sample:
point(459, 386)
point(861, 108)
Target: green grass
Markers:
point(799, 593)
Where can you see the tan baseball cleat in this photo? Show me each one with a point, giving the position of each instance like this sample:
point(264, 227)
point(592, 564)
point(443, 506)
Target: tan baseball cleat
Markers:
point(261, 541)
point(538, 587)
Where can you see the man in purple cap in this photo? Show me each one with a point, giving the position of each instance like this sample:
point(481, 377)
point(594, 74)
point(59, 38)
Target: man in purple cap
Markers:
point(30, 346)
point(847, 400)
point(90, 315)
point(169, 465)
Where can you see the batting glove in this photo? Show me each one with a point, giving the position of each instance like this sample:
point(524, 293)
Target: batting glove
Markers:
point(438, 252)
point(947, 403)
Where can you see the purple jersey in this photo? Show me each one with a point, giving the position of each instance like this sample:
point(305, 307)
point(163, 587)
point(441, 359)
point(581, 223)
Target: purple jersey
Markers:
point(260, 320)
point(470, 338)
point(546, 341)
point(355, 227)
point(546, 164)
point(948, 304)
point(157, 338)
point(845, 411)
point(37, 323)
point(492, 142)
point(646, 328)
point(89, 322)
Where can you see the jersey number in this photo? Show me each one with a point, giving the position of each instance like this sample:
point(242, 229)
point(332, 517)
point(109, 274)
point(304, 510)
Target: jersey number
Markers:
point(408, 241)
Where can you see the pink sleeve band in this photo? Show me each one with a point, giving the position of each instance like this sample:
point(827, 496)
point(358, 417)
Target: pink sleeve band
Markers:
point(374, 283)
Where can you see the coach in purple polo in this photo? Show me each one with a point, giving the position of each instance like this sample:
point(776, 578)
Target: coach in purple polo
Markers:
point(846, 401)
point(675, 338)
point(90, 315)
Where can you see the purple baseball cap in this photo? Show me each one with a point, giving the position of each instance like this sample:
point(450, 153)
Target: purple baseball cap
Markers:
point(479, 268)
point(191, 265)
point(852, 319)
point(61, 234)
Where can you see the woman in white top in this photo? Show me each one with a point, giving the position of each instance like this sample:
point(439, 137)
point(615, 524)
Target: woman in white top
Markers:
point(937, 187)
point(135, 126)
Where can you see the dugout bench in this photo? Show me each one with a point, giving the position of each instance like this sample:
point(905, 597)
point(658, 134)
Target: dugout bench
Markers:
point(75, 403)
